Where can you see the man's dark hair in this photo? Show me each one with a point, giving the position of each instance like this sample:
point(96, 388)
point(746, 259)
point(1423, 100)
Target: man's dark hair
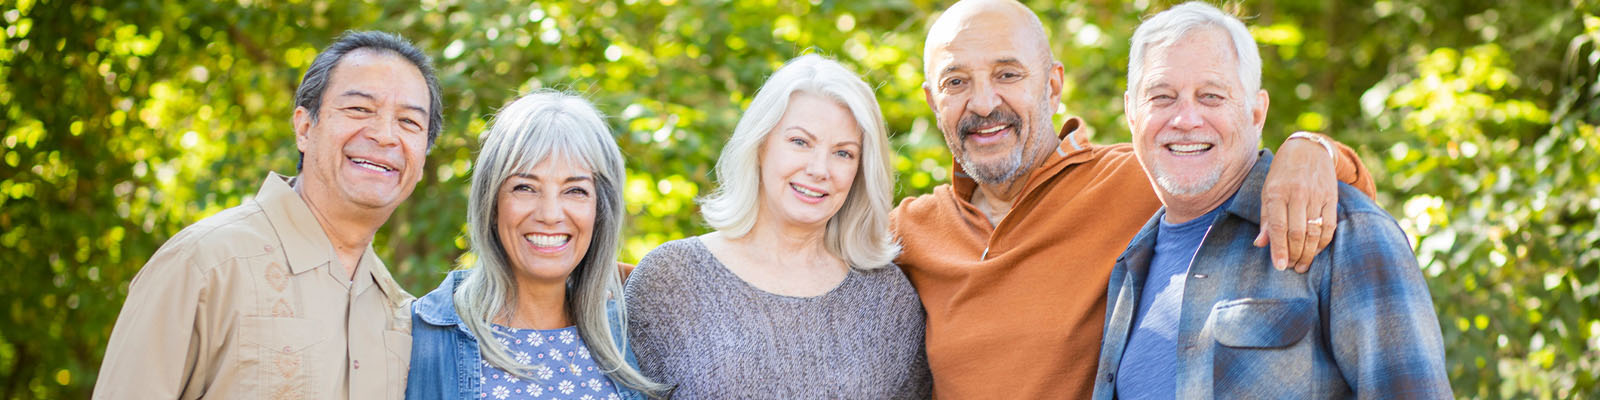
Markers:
point(309, 95)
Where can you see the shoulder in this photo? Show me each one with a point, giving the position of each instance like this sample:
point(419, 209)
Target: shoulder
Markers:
point(239, 232)
point(1361, 219)
point(1117, 163)
point(670, 265)
point(438, 307)
point(917, 208)
point(1367, 234)
point(889, 283)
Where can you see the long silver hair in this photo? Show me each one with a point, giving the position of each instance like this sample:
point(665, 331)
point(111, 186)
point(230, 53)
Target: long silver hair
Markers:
point(531, 129)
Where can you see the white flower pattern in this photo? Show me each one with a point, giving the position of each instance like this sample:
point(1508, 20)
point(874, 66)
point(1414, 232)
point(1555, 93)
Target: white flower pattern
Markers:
point(557, 361)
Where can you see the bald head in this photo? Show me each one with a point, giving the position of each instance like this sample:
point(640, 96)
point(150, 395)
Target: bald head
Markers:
point(974, 22)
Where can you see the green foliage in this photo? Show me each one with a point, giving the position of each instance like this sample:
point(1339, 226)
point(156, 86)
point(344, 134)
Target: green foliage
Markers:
point(126, 121)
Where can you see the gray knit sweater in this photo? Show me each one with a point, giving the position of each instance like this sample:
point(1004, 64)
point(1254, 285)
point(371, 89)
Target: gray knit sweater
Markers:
point(695, 324)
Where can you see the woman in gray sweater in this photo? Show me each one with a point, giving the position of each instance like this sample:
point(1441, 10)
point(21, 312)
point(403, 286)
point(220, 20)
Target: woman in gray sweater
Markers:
point(795, 294)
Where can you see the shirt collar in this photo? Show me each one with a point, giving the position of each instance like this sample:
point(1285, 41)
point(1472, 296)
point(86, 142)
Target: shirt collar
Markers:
point(439, 307)
point(1247, 200)
point(305, 244)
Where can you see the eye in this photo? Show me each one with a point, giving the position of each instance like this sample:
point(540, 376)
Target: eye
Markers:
point(523, 188)
point(578, 191)
point(1211, 99)
point(953, 83)
point(359, 109)
point(799, 142)
point(411, 124)
point(845, 154)
point(1009, 76)
point(1162, 98)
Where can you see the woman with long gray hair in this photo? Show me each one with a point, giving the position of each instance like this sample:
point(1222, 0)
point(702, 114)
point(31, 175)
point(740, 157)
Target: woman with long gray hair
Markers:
point(795, 295)
point(537, 315)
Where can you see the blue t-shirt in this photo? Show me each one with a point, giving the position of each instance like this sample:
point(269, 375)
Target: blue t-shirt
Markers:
point(1150, 360)
point(561, 363)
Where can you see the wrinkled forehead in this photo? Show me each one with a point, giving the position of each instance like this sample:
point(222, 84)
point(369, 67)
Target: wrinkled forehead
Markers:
point(1200, 53)
point(974, 35)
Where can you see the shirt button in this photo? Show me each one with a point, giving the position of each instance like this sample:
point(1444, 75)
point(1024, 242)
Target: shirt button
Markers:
point(268, 248)
point(286, 349)
point(1111, 376)
point(356, 364)
point(1199, 276)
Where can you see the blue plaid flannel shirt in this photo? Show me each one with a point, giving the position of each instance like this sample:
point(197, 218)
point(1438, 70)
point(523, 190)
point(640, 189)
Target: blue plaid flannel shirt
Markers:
point(1360, 324)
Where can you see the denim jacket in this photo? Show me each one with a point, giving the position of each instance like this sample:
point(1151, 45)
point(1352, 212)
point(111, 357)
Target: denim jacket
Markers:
point(444, 355)
point(1360, 324)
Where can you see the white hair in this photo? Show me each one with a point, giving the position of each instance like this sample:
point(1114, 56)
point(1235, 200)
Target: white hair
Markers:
point(859, 232)
point(1166, 27)
point(529, 130)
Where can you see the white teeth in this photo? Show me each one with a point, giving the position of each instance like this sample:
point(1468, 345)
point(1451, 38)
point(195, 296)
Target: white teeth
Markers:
point(547, 240)
point(994, 129)
point(1189, 148)
point(804, 191)
point(364, 163)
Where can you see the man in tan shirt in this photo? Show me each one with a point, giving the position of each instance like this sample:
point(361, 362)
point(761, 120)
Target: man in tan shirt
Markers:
point(282, 296)
point(1011, 259)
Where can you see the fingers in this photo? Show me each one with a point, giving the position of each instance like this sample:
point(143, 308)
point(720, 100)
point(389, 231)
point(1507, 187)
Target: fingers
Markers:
point(1274, 214)
point(1315, 225)
point(1295, 221)
point(1330, 221)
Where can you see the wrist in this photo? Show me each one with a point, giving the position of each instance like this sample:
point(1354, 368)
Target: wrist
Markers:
point(1315, 138)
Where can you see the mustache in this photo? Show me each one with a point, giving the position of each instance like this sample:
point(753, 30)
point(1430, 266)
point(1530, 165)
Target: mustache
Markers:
point(1000, 115)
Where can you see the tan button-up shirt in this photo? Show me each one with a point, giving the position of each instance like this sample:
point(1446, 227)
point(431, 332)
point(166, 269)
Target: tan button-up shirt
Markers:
point(252, 303)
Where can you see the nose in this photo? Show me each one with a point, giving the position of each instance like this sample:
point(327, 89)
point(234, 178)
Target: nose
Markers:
point(984, 98)
point(817, 166)
point(1188, 116)
point(547, 210)
point(385, 132)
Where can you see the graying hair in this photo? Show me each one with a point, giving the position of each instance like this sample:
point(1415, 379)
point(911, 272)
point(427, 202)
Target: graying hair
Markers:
point(315, 81)
point(1168, 26)
point(859, 232)
point(529, 130)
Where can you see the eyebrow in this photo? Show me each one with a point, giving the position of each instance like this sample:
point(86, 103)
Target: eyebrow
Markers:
point(1002, 61)
point(814, 137)
point(370, 97)
point(570, 179)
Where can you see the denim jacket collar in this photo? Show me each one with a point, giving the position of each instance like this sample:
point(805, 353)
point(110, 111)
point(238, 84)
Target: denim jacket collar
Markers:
point(439, 307)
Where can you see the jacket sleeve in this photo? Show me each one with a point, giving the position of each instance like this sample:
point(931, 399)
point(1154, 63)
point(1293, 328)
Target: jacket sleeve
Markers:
point(1383, 328)
point(155, 347)
point(1349, 169)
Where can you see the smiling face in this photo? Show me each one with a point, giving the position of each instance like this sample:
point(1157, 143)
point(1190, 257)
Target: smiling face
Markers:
point(545, 219)
point(1192, 126)
point(808, 162)
point(365, 151)
point(993, 88)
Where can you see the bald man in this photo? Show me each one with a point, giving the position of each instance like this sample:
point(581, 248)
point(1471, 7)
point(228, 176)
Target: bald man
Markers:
point(1011, 259)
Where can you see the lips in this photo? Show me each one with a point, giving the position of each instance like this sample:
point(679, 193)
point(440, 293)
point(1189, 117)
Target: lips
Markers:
point(808, 194)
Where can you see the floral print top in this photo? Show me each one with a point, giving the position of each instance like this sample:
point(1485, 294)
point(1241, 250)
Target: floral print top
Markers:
point(561, 363)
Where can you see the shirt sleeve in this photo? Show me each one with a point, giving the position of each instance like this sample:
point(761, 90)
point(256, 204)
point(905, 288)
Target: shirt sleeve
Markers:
point(1349, 169)
point(154, 348)
point(1383, 328)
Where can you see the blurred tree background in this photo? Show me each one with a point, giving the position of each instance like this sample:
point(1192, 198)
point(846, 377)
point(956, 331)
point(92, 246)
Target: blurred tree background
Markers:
point(125, 121)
